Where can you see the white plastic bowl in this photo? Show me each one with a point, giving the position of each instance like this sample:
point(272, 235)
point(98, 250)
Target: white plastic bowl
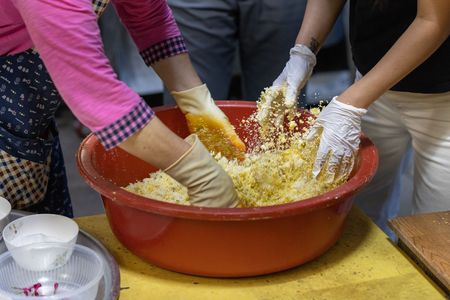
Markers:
point(55, 230)
point(79, 278)
point(5, 210)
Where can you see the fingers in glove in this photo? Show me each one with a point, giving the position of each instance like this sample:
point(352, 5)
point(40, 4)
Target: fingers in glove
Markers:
point(314, 131)
point(208, 184)
point(321, 159)
point(264, 108)
point(281, 79)
point(217, 135)
point(279, 120)
point(291, 95)
point(333, 165)
point(346, 167)
point(271, 108)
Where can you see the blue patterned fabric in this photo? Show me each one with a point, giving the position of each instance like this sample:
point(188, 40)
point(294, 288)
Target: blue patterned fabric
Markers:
point(28, 135)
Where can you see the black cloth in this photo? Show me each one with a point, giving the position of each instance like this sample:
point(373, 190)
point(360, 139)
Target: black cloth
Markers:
point(375, 25)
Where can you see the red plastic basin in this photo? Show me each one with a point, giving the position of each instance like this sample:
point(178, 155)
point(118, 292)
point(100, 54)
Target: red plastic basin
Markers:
point(216, 241)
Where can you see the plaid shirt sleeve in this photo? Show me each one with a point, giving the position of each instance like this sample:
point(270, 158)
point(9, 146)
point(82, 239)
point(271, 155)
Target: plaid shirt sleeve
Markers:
point(153, 28)
point(115, 133)
point(167, 48)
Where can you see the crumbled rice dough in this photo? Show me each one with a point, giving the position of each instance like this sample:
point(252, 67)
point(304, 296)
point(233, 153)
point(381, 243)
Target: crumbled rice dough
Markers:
point(276, 170)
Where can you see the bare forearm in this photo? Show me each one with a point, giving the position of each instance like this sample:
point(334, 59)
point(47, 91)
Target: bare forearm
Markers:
point(318, 21)
point(425, 34)
point(177, 73)
point(156, 144)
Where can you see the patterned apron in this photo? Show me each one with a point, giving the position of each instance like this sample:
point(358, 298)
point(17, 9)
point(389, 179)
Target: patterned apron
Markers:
point(32, 173)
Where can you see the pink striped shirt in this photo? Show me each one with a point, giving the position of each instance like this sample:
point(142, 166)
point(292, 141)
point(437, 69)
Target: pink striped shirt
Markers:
point(66, 35)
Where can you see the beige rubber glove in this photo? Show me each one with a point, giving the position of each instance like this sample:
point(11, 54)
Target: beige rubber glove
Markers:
point(205, 119)
point(207, 183)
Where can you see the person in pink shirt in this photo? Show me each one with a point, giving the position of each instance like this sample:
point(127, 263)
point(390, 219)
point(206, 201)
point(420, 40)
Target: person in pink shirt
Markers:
point(52, 51)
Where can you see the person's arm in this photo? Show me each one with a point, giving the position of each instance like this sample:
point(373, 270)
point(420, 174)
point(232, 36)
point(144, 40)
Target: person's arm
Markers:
point(159, 41)
point(154, 30)
point(319, 18)
point(427, 32)
point(339, 124)
point(66, 35)
point(177, 73)
point(203, 116)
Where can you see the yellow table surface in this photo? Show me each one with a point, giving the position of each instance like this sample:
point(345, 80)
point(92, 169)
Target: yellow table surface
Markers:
point(364, 264)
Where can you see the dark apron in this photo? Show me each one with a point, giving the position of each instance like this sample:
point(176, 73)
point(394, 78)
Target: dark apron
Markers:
point(32, 172)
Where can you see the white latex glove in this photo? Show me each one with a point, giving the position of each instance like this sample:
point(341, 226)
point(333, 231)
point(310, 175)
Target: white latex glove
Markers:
point(294, 76)
point(340, 127)
point(207, 183)
point(205, 119)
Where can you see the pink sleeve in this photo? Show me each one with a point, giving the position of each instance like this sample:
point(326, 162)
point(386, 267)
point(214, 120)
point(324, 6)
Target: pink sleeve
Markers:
point(148, 21)
point(67, 37)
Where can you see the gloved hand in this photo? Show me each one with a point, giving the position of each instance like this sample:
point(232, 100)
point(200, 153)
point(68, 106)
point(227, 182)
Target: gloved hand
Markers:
point(340, 127)
point(207, 183)
point(205, 119)
point(294, 76)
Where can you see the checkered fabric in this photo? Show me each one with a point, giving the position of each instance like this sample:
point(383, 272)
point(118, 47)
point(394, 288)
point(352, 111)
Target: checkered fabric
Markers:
point(23, 182)
point(126, 126)
point(99, 6)
point(164, 49)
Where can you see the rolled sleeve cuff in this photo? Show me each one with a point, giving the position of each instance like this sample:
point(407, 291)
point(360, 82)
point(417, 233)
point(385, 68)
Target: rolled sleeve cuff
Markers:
point(126, 126)
point(167, 48)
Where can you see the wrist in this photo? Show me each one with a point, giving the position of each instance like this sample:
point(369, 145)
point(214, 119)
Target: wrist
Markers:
point(156, 144)
point(177, 73)
point(187, 85)
point(354, 99)
point(349, 107)
point(194, 100)
point(361, 93)
point(306, 53)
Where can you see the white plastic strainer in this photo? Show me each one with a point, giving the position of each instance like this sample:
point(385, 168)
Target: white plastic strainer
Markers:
point(79, 278)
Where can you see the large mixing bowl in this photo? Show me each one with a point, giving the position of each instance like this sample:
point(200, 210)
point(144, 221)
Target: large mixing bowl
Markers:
point(219, 242)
